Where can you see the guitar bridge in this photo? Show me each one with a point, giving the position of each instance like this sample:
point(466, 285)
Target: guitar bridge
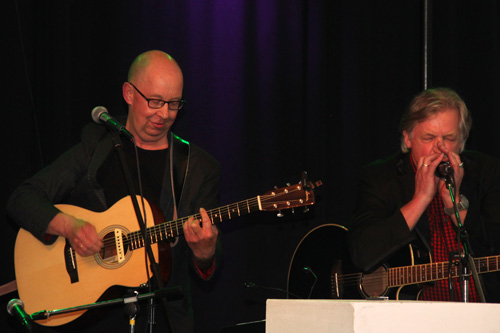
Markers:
point(120, 252)
point(70, 260)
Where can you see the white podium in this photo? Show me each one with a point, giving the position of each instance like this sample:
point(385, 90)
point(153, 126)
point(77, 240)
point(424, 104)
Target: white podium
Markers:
point(363, 316)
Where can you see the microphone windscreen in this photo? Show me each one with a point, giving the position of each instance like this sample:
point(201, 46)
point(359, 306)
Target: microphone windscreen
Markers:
point(96, 113)
point(12, 303)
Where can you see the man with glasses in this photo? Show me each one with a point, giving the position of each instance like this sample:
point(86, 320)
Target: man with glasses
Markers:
point(90, 176)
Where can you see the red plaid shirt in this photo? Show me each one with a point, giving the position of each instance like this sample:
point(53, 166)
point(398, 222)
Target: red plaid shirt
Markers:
point(443, 242)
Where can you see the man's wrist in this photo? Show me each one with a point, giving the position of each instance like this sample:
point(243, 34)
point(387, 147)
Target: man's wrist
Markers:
point(204, 264)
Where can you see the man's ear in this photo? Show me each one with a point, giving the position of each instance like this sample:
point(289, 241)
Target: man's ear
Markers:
point(127, 92)
point(407, 137)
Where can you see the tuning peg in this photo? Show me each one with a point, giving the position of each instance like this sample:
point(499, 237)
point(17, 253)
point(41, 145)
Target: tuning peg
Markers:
point(280, 214)
point(288, 184)
point(306, 209)
point(293, 210)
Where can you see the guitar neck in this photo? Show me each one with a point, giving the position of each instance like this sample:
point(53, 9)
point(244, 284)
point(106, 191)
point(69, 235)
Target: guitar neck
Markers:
point(283, 198)
point(169, 230)
point(400, 276)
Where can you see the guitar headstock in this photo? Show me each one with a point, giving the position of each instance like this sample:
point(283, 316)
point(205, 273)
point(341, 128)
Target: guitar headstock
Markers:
point(289, 197)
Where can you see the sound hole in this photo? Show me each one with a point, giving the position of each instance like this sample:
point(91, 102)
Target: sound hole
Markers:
point(114, 253)
point(375, 284)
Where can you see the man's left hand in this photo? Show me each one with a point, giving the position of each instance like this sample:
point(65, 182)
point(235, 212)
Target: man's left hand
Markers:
point(201, 237)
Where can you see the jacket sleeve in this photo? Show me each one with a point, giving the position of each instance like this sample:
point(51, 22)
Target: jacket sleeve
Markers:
point(378, 228)
point(31, 205)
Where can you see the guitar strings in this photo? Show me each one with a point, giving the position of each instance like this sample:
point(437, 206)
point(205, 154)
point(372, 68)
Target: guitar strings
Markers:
point(213, 214)
point(407, 275)
point(165, 231)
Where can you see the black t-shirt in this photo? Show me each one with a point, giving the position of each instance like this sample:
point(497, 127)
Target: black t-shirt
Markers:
point(152, 164)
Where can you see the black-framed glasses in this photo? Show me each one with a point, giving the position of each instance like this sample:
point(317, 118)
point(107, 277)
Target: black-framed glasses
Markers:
point(155, 103)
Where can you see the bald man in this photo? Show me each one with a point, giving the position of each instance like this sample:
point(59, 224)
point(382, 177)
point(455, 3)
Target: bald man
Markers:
point(89, 176)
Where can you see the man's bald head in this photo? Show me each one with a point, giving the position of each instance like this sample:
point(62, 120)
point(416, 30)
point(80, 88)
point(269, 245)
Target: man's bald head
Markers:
point(154, 60)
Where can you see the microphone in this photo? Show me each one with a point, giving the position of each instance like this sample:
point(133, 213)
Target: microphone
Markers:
point(15, 308)
point(100, 115)
point(444, 169)
point(446, 172)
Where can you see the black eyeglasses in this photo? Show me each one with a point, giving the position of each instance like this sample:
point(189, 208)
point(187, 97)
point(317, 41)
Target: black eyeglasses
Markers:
point(155, 103)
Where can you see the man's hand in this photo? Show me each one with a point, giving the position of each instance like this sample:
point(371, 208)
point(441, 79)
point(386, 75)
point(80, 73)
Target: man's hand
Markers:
point(426, 182)
point(426, 186)
point(82, 235)
point(201, 237)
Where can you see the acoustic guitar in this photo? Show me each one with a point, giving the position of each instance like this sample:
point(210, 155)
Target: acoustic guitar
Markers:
point(52, 277)
point(337, 278)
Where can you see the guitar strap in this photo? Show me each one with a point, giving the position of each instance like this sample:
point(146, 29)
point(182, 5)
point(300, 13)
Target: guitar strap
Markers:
point(179, 165)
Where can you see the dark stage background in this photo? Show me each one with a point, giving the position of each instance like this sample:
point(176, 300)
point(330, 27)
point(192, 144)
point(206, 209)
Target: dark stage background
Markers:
point(273, 88)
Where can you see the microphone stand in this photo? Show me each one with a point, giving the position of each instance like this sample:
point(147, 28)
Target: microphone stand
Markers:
point(465, 257)
point(155, 268)
point(129, 301)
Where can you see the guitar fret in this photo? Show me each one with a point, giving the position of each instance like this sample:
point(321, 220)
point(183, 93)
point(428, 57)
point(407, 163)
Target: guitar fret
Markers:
point(152, 237)
point(214, 216)
point(169, 230)
point(134, 239)
point(160, 233)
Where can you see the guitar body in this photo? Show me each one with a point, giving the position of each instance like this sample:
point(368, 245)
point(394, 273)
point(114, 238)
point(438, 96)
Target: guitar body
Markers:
point(324, 250)
point(36, 262)
point(53, 277)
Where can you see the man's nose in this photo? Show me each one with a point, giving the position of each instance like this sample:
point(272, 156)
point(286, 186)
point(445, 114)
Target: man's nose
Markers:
point(163, 112)
point(439, 142)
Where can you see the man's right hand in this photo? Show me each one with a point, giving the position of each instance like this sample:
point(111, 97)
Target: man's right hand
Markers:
point(82, 235)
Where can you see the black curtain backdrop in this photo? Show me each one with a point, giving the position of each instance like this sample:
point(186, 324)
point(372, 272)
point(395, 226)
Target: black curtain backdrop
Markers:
point(273, 88)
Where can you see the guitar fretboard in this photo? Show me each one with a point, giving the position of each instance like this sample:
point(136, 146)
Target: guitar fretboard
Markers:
point(406, 275)
point(169, 230)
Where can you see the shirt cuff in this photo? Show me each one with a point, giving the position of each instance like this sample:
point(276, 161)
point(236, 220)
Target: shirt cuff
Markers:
point(205, 273)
